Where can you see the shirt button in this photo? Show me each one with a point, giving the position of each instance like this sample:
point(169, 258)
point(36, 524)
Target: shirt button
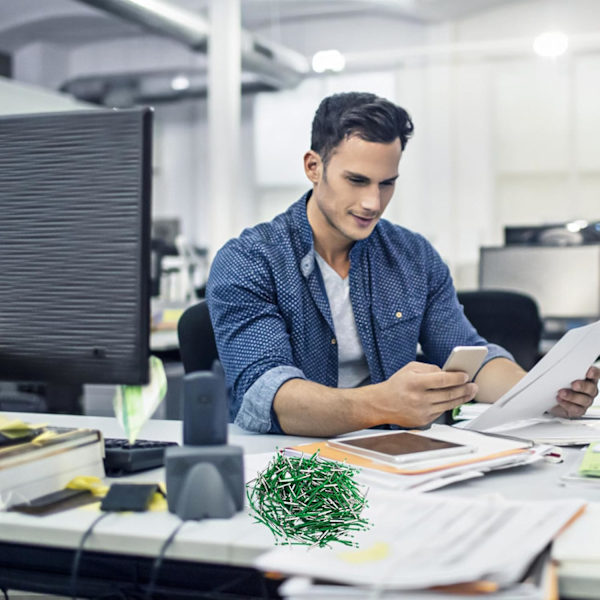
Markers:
point(333, 341)
point(398, 315)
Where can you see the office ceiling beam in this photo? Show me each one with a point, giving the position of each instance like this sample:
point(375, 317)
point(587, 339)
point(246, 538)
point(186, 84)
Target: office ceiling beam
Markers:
point(282, 66)
point(161, 17)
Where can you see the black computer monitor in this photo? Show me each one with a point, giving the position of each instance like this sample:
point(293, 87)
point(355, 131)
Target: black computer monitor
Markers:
point(75, 191)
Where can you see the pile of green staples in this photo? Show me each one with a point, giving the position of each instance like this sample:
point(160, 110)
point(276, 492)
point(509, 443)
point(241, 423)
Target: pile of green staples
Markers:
point(307, 501)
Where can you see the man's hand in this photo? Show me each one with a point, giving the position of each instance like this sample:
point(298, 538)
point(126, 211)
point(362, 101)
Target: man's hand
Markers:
point(573, 402)
point(419, 393)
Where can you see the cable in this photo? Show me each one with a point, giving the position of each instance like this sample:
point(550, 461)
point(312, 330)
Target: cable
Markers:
point(159, 559)
point(79, 552)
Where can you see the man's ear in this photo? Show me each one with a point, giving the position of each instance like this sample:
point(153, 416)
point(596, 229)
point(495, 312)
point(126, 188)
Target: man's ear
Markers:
point(313, 166)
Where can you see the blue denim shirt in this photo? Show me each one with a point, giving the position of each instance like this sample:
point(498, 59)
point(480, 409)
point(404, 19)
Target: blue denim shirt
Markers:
point(272, 320)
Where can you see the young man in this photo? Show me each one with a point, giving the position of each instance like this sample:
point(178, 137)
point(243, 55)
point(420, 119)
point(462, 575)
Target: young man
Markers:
point(318, 313)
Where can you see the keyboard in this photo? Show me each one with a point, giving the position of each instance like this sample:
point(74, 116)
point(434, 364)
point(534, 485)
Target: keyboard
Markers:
point(122, 458)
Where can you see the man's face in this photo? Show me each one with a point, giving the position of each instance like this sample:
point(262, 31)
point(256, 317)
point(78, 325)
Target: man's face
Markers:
point(350, 195)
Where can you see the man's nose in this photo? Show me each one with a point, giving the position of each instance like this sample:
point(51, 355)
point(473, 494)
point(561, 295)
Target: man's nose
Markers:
point(371, 199)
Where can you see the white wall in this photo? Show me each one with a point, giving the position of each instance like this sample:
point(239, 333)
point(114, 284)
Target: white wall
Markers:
point(498, 139)
point(181, 154)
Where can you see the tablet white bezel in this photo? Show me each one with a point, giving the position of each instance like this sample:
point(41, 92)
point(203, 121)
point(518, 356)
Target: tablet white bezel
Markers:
point(397, 459)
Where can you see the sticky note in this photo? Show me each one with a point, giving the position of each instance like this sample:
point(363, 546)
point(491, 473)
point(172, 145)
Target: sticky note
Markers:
point(590, 465)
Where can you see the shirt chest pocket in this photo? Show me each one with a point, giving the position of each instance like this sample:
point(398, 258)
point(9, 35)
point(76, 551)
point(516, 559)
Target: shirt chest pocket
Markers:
point(397, 315)
point(397, 333)
point(399, 325)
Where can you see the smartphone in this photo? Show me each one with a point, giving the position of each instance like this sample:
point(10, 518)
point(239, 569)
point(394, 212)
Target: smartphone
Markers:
point(466, 358)
point(400, 447)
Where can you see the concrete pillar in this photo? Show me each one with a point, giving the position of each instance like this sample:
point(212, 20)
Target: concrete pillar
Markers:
point(224, 121)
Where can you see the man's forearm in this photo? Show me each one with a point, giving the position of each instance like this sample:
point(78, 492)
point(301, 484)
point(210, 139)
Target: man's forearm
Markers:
point(496, 378)
point(308, 408)
point(414, 396)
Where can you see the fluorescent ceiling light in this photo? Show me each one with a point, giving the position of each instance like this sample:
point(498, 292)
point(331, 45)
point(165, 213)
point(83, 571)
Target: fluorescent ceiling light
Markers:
point(180, 82)
point(328, 60)
point(575, 226)
point(551, 44)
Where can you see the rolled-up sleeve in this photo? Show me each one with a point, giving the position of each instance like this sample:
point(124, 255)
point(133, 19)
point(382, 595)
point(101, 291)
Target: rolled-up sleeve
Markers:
point(256, 410)
point(251, 334)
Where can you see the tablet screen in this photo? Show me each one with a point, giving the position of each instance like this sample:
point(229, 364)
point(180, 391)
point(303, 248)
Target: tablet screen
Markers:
point(400, 442)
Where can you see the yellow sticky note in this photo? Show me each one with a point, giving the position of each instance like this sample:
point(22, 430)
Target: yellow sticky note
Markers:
point(89, 483)
point(374, 553)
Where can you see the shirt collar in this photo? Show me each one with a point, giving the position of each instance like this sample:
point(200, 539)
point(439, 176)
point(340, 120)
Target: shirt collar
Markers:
point(306, 240)
point(304, 235)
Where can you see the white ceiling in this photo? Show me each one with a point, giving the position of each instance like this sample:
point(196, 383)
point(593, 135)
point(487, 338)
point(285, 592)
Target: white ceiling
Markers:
point(261, 12)
point(258, 13)
point(71, 23)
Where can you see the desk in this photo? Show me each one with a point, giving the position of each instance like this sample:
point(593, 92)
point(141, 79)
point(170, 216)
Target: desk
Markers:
point(234, 542)
point(164, 341)
point(135, 538)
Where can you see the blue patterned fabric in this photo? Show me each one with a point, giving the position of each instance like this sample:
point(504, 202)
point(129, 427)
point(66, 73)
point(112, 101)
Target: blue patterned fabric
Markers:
point(272, 320)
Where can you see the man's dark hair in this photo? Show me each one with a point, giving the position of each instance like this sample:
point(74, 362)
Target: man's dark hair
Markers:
point(367, 116)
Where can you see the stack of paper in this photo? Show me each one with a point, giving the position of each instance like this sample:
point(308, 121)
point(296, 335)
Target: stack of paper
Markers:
point(542, 430)
point(593, 412)
point(491, 453)
point(553, 430)
point(577, 553)
point(303, 588)
point(47, 463)
point(418, 542)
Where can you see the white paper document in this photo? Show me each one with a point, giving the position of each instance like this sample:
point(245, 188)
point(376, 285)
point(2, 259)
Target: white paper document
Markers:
point(568, 360)
point(491, 453)
point(555, 431)
point(419, 541)
point(303, 588)
point(577, 553)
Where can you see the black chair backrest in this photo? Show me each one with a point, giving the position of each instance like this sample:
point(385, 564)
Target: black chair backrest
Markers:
point(510, 319)
point(197, 345)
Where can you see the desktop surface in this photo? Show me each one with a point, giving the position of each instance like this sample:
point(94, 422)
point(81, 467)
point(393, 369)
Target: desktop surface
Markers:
point(238, 541)
point(523, 483)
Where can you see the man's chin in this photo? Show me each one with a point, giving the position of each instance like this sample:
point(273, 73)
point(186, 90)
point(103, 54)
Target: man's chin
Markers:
point(362, 234)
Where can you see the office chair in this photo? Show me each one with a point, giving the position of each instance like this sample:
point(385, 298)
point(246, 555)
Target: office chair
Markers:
point(22, 402)
point(197, 345)
point(510, 319)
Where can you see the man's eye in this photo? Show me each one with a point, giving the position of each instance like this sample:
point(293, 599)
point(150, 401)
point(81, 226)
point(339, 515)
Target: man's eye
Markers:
point(356, 180)
point(387, 183)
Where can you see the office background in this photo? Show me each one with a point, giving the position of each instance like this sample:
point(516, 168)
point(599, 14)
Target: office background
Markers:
point(503, 136)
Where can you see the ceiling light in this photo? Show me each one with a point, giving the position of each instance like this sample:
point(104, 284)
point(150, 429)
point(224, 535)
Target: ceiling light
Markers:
point(551, 44)
point(575, 226)
point(180, 83)
point(328, 60)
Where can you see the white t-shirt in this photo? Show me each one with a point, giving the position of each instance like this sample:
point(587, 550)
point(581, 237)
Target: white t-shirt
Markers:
point(352, 364)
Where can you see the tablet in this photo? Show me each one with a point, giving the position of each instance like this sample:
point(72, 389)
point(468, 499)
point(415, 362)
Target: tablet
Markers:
point(400, 447)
